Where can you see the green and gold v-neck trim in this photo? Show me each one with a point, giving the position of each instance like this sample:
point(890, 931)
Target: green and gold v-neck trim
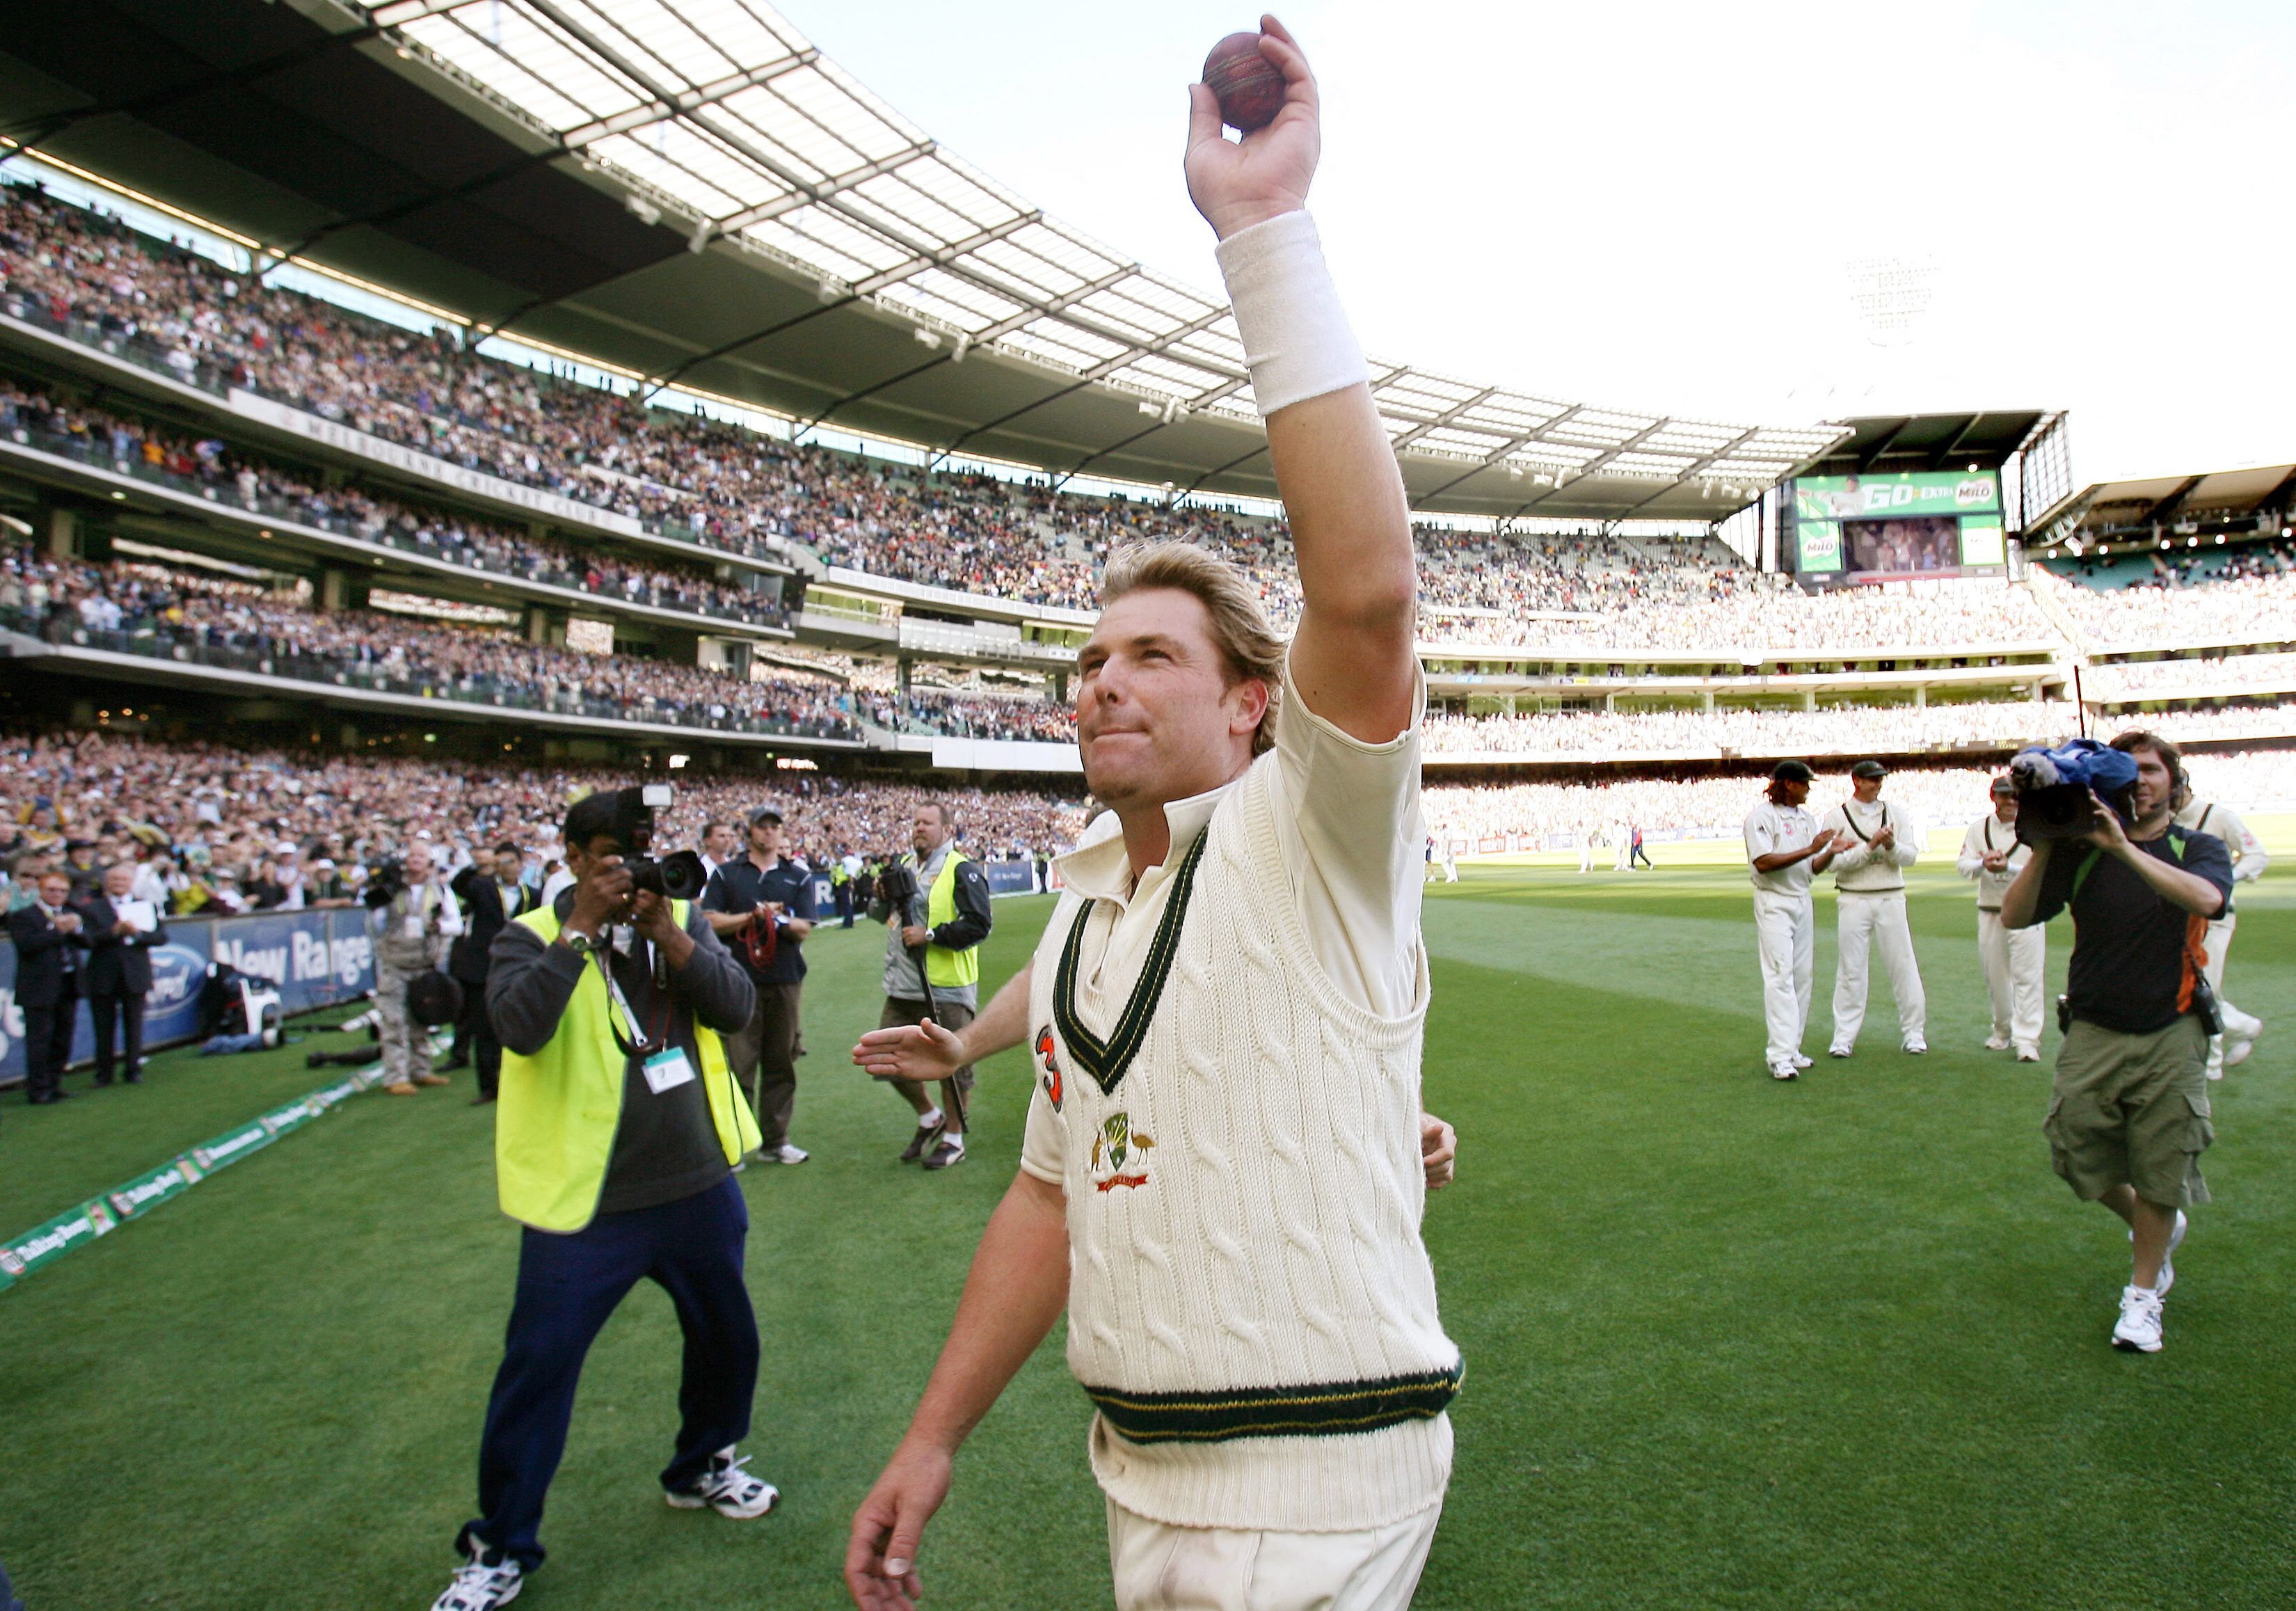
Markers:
point(1106, 1060)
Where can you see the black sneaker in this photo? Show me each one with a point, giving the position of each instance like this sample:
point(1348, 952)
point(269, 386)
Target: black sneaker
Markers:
point(947, 1156)
point(927, 1134)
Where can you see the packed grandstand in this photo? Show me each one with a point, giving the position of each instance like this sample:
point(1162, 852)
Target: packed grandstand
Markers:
point(1557, 648)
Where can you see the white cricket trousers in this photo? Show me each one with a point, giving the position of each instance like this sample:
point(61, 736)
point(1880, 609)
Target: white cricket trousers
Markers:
point(1786, 932)
point(2238, 1025)
point(2015, 963)
point(1161, 1567)
point(1859, 920)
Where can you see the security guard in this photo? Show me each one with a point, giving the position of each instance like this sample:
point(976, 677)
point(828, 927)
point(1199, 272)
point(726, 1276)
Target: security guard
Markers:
point(932, 968)
point(617, 1130)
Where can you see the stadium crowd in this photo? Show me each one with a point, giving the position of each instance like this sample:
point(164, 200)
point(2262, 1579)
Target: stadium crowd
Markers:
point(210, 468)
point(191, 616)
point(2253, 600)
point(217, 830)
point(1862, 729)
point(2115, 680)
point(740, 491)
point(1536, 815)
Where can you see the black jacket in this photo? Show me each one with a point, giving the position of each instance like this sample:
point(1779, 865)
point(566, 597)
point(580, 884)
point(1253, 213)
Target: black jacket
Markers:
point(117, 965)
point(483, 918)
point(41, 949)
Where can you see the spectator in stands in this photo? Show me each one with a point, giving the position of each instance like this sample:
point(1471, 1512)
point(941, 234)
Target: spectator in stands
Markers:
point(51, 945)
point(121, 933)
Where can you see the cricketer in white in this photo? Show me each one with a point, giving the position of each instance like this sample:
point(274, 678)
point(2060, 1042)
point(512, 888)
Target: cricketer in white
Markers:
point(1227, 1161)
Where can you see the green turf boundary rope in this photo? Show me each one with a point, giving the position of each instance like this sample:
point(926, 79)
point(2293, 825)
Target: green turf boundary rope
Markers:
point(105, 1213)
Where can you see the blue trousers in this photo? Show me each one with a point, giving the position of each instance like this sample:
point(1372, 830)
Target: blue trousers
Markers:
point(567, 1287)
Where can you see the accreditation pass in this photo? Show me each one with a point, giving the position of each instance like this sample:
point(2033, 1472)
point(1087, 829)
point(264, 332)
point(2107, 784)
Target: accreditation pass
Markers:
point(668, 1070)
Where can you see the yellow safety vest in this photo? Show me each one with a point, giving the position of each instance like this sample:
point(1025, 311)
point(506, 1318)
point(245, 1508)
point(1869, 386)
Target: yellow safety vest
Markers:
point(557, 1111)
point(944, 967)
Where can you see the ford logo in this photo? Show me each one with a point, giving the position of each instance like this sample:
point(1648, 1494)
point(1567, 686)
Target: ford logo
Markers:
point(177, 973)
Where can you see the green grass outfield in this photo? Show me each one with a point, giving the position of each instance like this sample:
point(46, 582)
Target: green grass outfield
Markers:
point(1730, 1343)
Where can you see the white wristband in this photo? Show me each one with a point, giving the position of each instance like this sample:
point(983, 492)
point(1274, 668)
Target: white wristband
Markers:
point(1296, 338)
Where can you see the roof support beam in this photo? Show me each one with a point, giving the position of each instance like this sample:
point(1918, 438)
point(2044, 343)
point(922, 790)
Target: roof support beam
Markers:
point(1524, 440)
point(765, 211)
point(1690, 471)
point(1445, 418)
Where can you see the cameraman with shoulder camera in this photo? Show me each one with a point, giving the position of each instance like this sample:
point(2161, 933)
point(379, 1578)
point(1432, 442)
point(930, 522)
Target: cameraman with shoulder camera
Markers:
point(2129, 1117)
point(406, 913)
point(618, 1127)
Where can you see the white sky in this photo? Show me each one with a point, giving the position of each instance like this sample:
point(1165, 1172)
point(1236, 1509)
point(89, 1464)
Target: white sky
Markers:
point(1656, 205)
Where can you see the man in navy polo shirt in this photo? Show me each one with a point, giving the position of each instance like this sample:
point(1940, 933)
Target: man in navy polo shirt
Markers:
point(766, 893)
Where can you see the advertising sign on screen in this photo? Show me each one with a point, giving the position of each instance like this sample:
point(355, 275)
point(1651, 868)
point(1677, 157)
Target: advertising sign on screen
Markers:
point(1838, 497)
point(1817, 546)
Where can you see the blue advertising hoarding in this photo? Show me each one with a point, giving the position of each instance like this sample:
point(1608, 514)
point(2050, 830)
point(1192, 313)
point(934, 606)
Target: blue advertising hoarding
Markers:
point(315, 958)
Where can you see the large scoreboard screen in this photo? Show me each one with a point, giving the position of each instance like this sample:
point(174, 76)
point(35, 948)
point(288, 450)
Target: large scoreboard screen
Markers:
point(1896, 528)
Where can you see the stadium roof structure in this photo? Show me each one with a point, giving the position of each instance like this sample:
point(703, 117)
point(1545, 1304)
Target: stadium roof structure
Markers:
point(687, 190)
point(1893, 442)
point(2153, 511)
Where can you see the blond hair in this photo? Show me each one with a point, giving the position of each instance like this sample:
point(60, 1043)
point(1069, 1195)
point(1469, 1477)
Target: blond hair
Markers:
point(1240, 628)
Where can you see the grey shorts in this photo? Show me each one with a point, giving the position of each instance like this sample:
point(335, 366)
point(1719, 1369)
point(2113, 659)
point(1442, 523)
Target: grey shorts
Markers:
point(901, 1012)
point(2132, 1110)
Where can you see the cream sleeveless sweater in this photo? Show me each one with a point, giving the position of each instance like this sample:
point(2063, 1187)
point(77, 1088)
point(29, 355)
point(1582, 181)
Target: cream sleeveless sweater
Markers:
point(1250, 1306)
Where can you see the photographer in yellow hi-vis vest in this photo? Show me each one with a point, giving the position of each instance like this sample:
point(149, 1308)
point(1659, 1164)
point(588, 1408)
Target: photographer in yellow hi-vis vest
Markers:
point(616, 1133)
point(935, 909)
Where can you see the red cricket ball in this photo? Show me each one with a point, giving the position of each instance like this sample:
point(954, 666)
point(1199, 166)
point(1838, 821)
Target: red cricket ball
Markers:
point(1249, 86)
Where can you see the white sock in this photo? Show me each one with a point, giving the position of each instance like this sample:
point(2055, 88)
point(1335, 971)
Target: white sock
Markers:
point(930, 1117)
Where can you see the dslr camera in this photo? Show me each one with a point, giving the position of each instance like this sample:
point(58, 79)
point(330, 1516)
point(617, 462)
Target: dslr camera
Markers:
point(386, 882)
point(677, 876)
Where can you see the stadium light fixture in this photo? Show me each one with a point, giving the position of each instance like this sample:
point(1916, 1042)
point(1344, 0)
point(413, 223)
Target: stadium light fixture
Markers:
point(928, 338)
point(643, 210)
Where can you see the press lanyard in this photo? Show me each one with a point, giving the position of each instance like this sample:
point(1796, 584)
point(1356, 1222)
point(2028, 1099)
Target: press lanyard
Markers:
point(636, 1043)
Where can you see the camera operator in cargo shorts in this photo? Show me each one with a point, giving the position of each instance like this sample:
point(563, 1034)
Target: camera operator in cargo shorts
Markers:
point(2129, 1117)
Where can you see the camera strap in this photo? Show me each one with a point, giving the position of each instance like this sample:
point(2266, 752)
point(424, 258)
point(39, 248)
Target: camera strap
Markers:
point(636, 1042)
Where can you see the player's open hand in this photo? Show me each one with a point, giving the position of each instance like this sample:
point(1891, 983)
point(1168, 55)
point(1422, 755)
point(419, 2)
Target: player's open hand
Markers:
point(881, 1559)
point(1237, 185)
point(1439, 1150)
point(915, 1051)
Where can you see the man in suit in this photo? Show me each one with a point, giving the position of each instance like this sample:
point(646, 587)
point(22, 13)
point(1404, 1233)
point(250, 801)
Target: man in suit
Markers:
point(118, 974)
point(491, 896)
point(49, 960)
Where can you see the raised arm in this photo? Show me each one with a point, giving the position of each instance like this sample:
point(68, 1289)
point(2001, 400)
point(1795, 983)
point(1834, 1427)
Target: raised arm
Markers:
point(1352, 656)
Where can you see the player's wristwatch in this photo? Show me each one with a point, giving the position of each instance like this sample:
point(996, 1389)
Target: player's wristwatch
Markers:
point(577, 942)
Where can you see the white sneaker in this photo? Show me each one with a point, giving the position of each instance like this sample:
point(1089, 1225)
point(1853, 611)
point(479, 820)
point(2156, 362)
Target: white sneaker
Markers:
point(2139, 1330)
point(1917, 1048)
point(784, 1153)
point(2028, 1054)
point(1837, 1051)
point(480, 1586)
point(2168, 1276)
point(2236, 1052)
point(1784, 1070)
point(727, 1489)
point(1997, 1043)
point(1802, 1062)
